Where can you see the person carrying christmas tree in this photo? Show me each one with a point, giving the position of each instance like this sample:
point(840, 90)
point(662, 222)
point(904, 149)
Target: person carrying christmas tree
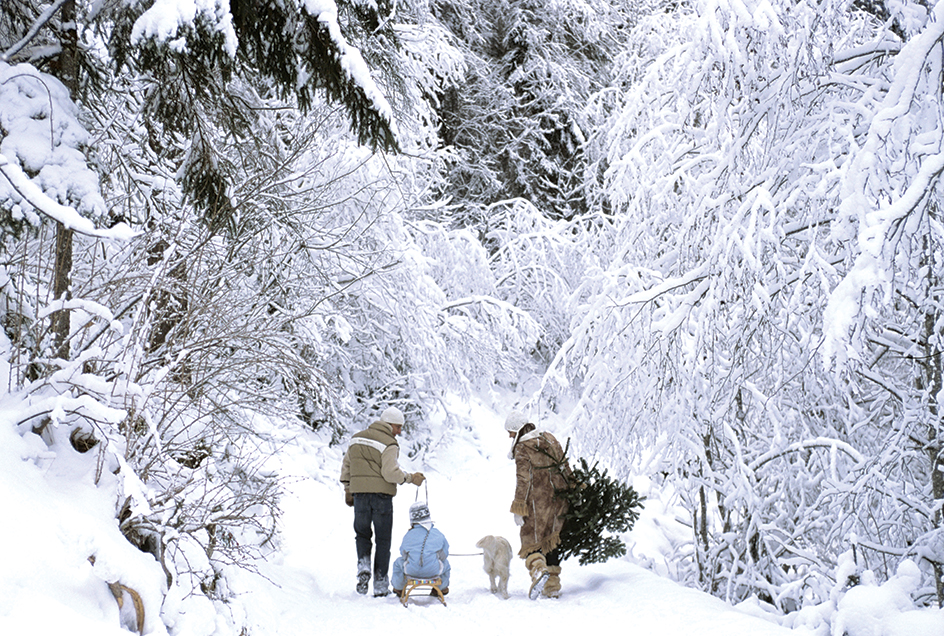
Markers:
point(542, 471)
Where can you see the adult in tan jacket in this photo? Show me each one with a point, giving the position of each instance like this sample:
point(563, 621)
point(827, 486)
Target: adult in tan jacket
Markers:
point(370, 473)
point(541, 469)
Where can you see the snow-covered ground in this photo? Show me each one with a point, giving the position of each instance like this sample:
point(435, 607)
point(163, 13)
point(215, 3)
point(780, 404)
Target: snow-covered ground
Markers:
point(55, 519)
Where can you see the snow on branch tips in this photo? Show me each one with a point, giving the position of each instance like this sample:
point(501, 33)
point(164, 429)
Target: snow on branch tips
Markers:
point(65, 215)
point(326, 12)
point(166, 19)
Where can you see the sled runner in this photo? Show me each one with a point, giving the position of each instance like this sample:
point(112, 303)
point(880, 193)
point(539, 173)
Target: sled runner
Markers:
point(412, 584)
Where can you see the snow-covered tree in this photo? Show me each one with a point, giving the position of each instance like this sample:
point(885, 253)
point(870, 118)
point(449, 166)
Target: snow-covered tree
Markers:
point(748, 142)
point(278, 270)
point(189, 129)
point(884, 322)
point(515, 123)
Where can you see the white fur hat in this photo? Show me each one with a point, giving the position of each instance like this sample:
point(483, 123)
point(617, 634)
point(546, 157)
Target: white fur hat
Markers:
point(392, 415)
point(515, 420)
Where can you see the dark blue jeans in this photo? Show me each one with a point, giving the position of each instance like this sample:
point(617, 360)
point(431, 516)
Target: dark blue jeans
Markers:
point(373, 509)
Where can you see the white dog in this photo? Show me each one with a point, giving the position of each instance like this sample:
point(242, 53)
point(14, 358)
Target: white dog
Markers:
point(498, 554)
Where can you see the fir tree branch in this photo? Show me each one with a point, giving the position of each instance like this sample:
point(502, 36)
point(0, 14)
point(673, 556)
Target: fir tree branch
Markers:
point(34, 30)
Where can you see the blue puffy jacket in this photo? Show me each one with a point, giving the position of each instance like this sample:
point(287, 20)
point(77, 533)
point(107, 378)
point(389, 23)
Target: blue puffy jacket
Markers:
point(424, 551)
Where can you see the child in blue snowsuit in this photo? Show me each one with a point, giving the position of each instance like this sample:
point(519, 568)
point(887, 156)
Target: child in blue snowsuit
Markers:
point(424, 552)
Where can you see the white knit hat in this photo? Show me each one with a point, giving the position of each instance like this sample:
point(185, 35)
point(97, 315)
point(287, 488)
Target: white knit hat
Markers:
point(515, 420)
point(392, 415)
point(419, 513)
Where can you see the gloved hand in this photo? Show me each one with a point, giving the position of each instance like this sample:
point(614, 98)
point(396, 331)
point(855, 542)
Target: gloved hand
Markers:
point(519, 520)
point(417, 479)
point(348, 498)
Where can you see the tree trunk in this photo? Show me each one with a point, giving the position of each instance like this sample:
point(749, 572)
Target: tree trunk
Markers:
point(931, 381)
point(937, 491)
point(62, 279)
point(62, 276)
point(935, 446)
point(169, 307)
point(701, 535)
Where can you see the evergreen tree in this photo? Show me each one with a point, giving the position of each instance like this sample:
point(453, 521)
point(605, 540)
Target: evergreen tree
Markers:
point(202, 79)
point(600, 507)
point(516, 122)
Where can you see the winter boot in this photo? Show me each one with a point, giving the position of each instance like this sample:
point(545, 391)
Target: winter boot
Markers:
point(363, 580)
point(381, 585)
point(537, 567)
point(552, 588)
point(363, 576)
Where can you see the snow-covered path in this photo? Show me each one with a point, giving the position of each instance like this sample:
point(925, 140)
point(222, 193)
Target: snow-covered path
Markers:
point(56, 518)
point(470, 485)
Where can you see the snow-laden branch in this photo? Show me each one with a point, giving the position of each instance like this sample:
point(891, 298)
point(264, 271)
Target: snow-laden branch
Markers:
point(165, 19)
point(326, 12)
point(867, 51)
point(872, 239)
point(39, 24)
point(90, 307)
point(819, 442)
point(67, 216)
point(470, 300)
point(58, 406)
point(864, 189)
point(648, 295)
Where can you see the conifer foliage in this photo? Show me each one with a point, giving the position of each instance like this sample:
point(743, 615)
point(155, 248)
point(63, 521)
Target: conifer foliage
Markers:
point(198, 77)
point(600, 507)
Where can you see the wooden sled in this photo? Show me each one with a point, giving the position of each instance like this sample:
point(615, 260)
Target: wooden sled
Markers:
point(412, 584)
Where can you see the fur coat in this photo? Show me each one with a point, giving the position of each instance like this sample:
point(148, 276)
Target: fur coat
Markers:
point(540, 470)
